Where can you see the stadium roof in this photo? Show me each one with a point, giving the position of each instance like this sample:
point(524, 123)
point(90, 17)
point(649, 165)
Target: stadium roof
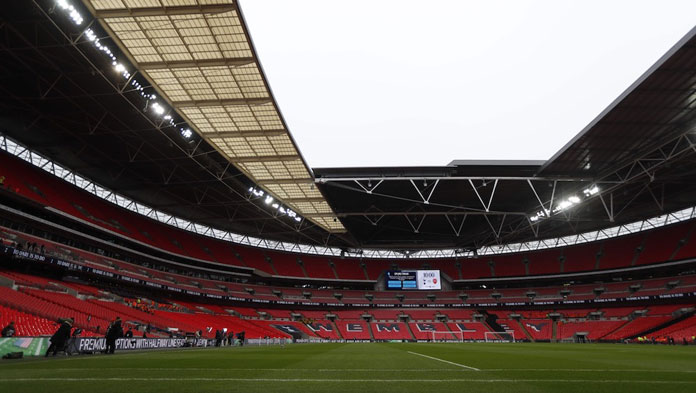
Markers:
point(65, 101)
point(199, 56)
point(634, 160)
point(657, 107)
point(68, 101)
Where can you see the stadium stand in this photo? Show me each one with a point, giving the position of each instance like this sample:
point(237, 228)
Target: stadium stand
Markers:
point(543, 262)
point(619, 252)
point(424, 330)
point(515, 326)
point(475, 268)
point(469, 330)
point(34, 306)
point(354, 329)
point(636, 326)
point(287, 265)
point(650, 248)
point(580, 258)
point(508, 265)
point(54, 298)
point(27, 324)
point(594, 329)
point(318, 267)
point(538, 329)
point(662, 244)
point(349, 269)
point(323, 328)
point(390, 331)
point(680, 331)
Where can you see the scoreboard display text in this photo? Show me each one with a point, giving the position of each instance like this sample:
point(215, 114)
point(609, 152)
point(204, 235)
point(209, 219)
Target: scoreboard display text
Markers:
point(413, 279)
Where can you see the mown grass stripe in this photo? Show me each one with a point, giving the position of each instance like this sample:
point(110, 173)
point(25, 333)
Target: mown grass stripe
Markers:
point(344, 380)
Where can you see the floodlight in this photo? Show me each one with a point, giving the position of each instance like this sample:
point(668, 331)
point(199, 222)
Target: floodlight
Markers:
point(591, 190)
point(157, 108)
point(564, 205)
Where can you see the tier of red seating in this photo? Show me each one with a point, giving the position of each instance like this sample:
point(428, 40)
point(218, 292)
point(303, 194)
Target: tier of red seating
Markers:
point(26, 324)
point(595, 329)
point(661, 286)
point(514, 326)
point(355, 329)
point(636, 326)
point(680, 331)
point(539, 329)
point(668, 243)
point(34, 311)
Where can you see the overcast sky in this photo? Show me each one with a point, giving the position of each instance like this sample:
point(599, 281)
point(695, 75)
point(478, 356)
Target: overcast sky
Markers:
point(406, 83)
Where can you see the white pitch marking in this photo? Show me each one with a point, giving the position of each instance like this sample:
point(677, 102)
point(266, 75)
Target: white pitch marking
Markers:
point(591, 370)
point(338, 370)
point(471, 380)
point(294, 370)
point(444, 361)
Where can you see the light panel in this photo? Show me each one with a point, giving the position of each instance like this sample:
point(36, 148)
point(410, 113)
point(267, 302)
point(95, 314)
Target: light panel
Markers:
point(203, 64)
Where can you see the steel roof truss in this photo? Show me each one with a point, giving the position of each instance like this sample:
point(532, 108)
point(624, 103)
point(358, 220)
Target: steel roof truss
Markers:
point(164, 11)
point(487, 207)
point(425, 200)
point(457, 230)
point(416, 229)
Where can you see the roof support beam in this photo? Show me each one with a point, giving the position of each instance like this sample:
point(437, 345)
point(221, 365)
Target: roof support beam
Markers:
point(245, 134)
point(307, 199)
point(369, 187)
point(299, 180)
point(433, 178)
point(164, 11)
point(443, 213)
point(264, 158)
point(416, 228)
point(160, 65)
point(457, 230)
point(425, 200)
point(225, 102)
point(490, 200)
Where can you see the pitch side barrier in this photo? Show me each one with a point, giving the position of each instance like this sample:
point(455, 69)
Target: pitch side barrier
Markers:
point(329, 340)
point(37, 346)
point(98, 344)
point(404, 340)
point(40, 259)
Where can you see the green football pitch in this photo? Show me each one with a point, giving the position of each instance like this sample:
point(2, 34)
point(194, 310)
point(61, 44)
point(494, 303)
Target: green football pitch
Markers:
point(384, 367)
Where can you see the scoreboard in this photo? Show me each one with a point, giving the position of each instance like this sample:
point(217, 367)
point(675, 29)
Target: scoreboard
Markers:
point(413, 279)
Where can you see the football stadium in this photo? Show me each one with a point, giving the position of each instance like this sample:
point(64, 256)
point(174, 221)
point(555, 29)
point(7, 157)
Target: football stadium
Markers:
point(161, 230)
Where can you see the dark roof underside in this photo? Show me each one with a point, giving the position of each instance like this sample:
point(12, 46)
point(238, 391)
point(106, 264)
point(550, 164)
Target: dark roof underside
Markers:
point(59, 99)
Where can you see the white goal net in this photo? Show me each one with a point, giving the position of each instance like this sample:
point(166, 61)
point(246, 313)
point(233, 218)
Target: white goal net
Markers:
point(500, 337)
point(448, 336)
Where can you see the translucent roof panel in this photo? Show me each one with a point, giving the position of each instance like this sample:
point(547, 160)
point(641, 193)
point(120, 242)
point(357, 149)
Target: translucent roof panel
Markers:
point(198, 56)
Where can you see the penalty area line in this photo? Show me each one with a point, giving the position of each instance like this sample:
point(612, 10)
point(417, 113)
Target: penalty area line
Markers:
point(444, 361)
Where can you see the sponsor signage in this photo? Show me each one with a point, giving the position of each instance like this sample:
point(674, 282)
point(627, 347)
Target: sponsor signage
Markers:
point(93, 344)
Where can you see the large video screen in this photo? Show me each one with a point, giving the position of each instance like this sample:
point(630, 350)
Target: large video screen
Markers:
point(413, 280)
